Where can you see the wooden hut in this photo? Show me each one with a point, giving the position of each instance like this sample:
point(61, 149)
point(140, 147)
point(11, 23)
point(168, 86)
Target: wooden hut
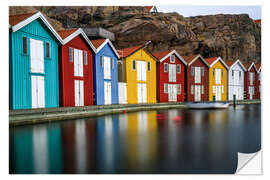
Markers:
point(76, 68)
point(196, 78)
point(170, 76)
point(33, 62)
point(250, 80)
point(105, 72)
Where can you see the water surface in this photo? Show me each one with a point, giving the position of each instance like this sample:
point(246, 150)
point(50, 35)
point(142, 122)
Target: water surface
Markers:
point(167, 141)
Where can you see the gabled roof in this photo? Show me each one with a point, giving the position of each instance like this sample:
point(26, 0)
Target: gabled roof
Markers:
point(17, 22)
point(161, 56)
point(231, 63)
point(191, 59)
point(249, 66)
point(258, 66)
point(68, 34)
point(213, 60)
point(128, 51)
point(100, 43)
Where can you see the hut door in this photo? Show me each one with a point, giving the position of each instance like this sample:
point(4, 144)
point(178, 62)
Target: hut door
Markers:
point(172, 92)
point(38, 93)
point(218, 93)
point(197, 93)
point(142, 93)
point(107, 93)
point(251, 92)
point(79, 93)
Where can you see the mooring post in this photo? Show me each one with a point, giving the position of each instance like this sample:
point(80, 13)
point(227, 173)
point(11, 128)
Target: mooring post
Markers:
point(214, 98)
point(234, 101)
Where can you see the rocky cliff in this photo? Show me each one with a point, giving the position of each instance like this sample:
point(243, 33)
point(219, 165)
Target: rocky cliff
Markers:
point(228, 36)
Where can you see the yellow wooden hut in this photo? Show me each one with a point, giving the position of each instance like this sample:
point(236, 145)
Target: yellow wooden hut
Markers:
point(137, 68)
point(217, 79)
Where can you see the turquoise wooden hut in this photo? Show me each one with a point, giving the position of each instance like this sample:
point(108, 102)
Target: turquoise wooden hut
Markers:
point(33, 62)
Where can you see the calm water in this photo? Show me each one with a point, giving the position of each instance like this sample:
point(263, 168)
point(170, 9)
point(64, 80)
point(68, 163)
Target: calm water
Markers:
point(169, 141)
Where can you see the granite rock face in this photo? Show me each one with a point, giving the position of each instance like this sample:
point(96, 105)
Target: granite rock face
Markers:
point(228, 36)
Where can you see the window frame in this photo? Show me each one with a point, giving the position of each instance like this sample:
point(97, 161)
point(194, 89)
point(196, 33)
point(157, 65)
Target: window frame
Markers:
point(70, 50)
point(148, 66)
point(24, 37)
point(202, 89)
point(165, 85)
point(166, 65)
point(173, 58)
point(48, 57)
point(134, 65)
point(192, 89)
point(179, 88)
point(192, 71)
point(85, 58)
point(178, 65)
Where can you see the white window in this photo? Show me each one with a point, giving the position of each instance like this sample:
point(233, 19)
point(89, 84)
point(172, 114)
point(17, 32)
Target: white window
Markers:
point(25, 46)
point(165, 67)
point(214, 89)
point(172, 73)
point(218, 76)
point(202, 89)
point(197, 75)
point(78, 62)
point(70, 53)
point(165, 88)
point(107, 67)
point(178, 88)
point(178, 68)
point(251, 77)
point(172, 58)
point(192, 89)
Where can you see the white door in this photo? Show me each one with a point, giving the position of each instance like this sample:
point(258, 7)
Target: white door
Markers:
point(122, 93)
point(251, 92)
point(36, 56)
point(38, 93)
point(107, 67)
point(172, 92)
point(197, 74)
point(79, 93)
point(197, 93)
point(172, 73)
point(218, 93)
point(141, 70)
point(142, 93)
point(107, 93)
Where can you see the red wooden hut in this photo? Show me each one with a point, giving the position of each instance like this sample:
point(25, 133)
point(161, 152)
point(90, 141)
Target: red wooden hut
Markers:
point(170, 76)
point(258, 82)
point(196, 78)
point(75, 69)
point(251, 77)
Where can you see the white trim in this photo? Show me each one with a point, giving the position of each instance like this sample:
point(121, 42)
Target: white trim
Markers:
point(104, 43)
point(173, 52)
point(31, 19)
point(253, 64)
point(219, 59)
point(238, 61)
point(198, 56)
point(75, 34)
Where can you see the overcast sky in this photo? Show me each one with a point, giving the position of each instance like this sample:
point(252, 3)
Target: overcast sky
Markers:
point(253, 11)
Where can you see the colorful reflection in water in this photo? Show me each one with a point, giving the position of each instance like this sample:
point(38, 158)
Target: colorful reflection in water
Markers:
point(168, 141)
